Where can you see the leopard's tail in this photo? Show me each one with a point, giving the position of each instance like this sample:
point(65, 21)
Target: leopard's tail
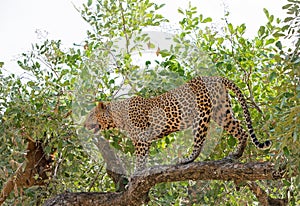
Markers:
point(230, 85)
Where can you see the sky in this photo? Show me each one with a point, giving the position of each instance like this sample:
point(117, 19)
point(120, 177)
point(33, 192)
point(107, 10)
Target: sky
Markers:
point(20, 19)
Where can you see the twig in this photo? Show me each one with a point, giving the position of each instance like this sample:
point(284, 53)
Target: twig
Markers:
point(95, 178)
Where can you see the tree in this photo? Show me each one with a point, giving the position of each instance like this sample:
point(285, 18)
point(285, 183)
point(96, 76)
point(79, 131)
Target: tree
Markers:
point(42, 112)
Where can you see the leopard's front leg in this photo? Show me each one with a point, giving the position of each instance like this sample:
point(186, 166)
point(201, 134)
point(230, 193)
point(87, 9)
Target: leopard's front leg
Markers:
point(141, 152)
point(144, 136)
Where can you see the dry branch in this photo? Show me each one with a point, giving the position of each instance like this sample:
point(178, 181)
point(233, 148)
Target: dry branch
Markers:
point(37, 164)
point(263, 197)
point(142, 182)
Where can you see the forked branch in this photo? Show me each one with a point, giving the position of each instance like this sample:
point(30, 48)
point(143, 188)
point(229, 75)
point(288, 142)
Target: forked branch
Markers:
point(142, 182)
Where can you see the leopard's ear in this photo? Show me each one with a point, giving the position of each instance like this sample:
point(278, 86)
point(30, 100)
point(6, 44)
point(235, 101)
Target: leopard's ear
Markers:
point(100, 106)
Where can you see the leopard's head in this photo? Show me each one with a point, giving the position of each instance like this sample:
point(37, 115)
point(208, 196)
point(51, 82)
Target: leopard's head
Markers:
point(99, 118)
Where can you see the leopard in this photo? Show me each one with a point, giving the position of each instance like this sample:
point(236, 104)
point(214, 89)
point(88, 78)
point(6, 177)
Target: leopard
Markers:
point(191, 105)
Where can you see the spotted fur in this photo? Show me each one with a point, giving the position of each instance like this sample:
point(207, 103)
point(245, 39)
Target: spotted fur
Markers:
point(191, 105)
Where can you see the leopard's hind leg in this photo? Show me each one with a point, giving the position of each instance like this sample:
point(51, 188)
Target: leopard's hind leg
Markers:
point(200, 129)
point(233, 127)
point(223, 115)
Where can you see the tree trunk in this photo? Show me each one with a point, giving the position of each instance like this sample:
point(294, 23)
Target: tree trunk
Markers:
point(37, 163)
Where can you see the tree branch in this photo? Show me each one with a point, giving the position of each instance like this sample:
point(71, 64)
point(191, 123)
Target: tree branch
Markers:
point(37, 164)
point(142, 182)
point(263, 197)
point(115, 168)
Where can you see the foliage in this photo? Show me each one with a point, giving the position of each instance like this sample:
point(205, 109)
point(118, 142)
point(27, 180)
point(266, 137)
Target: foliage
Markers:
point(61, 86)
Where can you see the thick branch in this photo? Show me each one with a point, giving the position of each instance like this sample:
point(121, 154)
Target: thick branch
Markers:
point(263, 197)
point(141, 183)
point(115, 167)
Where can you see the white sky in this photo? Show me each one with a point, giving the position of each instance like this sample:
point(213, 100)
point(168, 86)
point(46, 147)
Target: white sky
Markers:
point(19, 19)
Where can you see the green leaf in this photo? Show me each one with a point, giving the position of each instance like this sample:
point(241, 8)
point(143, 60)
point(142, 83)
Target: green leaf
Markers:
point(89, 2)
point(229, 67)
point(278, 45)
point(270, 41)
point(284, 28)
point(258, 43)
point(272, 76)
point(286, 151)
point(241, 29)
point(261, 30)
point(112, 81)
point(287, 6)
point(151, 45)
point(220, 40)
point(286, 183)
point(164, 53)
point(31, 83)
point(287, 19)
point(288, 94)
point(278, 34)
point(271, 18)
point(206, 20)
point(180, 11)
point(266, 12)
point(157, 7)
point(231, 141)
point(230, 27)
point(147, 63)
